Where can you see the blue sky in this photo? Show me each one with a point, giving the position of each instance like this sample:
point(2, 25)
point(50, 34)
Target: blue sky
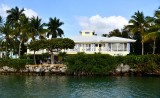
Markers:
point(99, 15)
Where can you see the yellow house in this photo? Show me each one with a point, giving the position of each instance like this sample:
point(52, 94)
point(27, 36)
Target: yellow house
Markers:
point(89, 43)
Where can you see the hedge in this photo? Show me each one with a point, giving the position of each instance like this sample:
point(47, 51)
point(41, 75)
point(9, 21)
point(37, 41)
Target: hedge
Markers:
point(15, 63)
point(103, 63)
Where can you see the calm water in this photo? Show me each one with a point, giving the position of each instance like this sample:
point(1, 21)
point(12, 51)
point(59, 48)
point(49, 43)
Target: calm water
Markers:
point(12, 86)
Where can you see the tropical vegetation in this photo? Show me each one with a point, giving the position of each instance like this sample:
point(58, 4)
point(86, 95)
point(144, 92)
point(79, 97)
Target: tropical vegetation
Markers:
point(19, 32)
point(101, 64)
point(145, 30)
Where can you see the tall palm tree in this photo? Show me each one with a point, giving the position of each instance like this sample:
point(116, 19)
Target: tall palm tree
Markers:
point(153, 37)
point(154, 29)
point(24, 32)
point(14, 18)
point(138, 24)
point(54, 28)
point(6, 30)
point(14, 15)
point(1, 21)
point(37, 28)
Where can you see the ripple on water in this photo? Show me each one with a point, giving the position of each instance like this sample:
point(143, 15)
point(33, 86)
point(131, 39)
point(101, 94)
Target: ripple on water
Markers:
point(78, 87)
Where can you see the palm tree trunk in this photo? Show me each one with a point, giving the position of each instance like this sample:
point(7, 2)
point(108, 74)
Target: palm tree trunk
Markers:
point(6, 52)
point(142, 48)
point(34, 57)
point(19, 53)
point(154, 47)
point(142, 36)
point(52, 57)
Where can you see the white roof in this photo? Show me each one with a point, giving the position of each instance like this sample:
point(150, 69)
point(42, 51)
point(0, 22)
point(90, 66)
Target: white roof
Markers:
point(96, 39)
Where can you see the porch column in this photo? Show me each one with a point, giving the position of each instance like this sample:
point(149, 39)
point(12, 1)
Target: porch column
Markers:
point(84, 47)
point(128, 47)
point(111, 46)
point(94, 47)
point(106, 47)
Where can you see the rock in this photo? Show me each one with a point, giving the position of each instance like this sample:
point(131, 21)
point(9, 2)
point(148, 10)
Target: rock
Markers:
point(132, 70)
point(62, 70)
point(24, 70)
point(122, 68)
point(12, 70)
point(125, 68)
point(118, 69)
point(46, 71)
point(5, 68)
point(55, 70)
point(30, 69)
point(1, 70)
point(38, 69)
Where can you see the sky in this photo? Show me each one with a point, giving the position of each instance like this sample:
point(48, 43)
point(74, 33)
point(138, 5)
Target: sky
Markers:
point(102, 16)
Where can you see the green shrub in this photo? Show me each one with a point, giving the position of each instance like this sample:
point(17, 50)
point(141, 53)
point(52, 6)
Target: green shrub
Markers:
point(91, 63)
point(143, 63)
point(15, 63)
point(102, 63)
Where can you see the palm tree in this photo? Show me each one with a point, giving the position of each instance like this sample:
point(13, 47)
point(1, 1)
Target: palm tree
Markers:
point(14, 18)
point(154, 29)
point(14, 15)
point(1, 21)
point(153, 37)
point(36, 28)
point(138, 24)
point(7, 39)
point(24, 32)
point(54, 28)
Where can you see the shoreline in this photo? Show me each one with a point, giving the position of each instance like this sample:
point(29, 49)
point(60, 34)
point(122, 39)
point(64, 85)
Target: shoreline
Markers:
point(78, 75)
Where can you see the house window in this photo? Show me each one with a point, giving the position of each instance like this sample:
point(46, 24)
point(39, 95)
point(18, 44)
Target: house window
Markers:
point(109, 46)
point(120, 47)
point(125, 46)
point(96, 45)
point(87, 32)
point(114, 46)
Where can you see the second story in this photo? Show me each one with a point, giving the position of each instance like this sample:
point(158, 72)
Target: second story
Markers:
point(87, 33)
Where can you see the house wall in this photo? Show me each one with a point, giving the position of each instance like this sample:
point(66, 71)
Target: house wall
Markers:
point(102, 48)
point(92, 48)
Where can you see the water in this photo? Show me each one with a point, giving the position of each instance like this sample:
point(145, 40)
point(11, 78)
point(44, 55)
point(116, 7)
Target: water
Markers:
point(12, 86)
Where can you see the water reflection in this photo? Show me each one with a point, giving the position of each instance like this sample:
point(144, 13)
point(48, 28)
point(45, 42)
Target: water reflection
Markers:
point(78, 87)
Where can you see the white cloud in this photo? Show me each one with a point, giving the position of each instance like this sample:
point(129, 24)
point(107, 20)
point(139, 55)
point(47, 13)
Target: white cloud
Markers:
point(28, 12)
point(101, 24)
point(3, 9)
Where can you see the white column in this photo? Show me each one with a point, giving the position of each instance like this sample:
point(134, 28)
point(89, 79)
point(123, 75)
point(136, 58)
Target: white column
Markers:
point(123, 47)
point(84, 47)
point(111, 46)
point(128, 47)
point(106, 46)
point(94, 47)
point(117, 46)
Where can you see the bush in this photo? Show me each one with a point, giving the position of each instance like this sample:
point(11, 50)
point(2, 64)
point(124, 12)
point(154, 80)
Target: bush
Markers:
point(103, 63)
point(91, 63)
point(143, 63)
point(15, 63)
